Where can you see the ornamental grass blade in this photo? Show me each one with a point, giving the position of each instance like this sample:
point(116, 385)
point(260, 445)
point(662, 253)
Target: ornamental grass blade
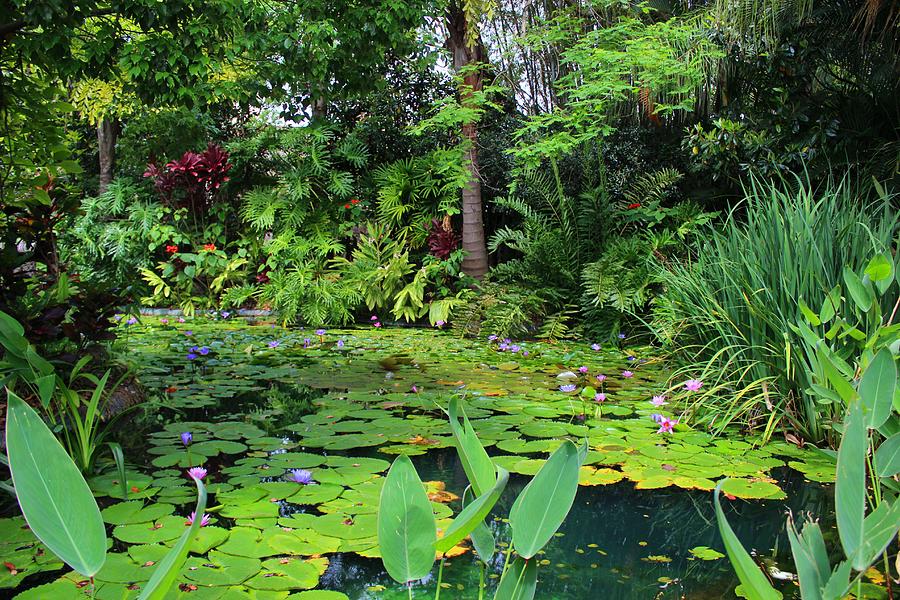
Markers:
point(850, 487)
point(473, 514)
point(55, 499)
point(544, 503)
point(407, 530)
point(170, 566)
point(476, 463)
point(753, 582)
point(519, 582)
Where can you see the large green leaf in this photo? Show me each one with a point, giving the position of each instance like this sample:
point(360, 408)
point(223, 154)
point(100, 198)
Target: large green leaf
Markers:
point(887, 457)
point(406, 526)
point(54, 497)
point(753, 582)
point(519, 582)
point(881, 270)
point(810, 557)
point(476, 463)
point(876, 388)
point(544, 503)
point(879, 528)
point(850, 488)
point(170, 566)
point(861, 294)
point(473, 514)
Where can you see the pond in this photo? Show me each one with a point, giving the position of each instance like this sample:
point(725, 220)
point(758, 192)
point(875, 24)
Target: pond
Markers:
point(260, 400)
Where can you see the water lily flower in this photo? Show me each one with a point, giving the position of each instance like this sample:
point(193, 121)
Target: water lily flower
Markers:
point(197, 472)
point(274, 344)
point(225, 314)
point(204, 520)
point(514, 348)
point(582, 369)
point(320, 332)
point(525, 353)
point(439, 323)
point(306, 342)
point(658, 401)
point(194, 349)
point(569, 387)
point(621, 336)
point(377, 324)
point(187, 438)
point(301, 476)
point(181, 319)
point(667, 425)
point(163, 321)
point(131, 321)
point(595, 347)
point(191, 356)
point(374, 318)
point(657, 418)
point(693, 385)
point(502, 346)
point(189, 332)
point(601, 378)
point(204, 350)
point(631, 358)
point(414, 390)
point(581, 417)
point(599, 397)
point(340, 343)
point(627, 374)
point(492, 338)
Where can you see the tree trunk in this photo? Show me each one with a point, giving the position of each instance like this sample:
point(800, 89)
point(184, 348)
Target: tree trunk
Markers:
point(107, 133)
point(475, 262)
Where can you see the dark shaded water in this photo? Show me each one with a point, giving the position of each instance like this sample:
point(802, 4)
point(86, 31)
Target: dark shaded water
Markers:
point(606, 543)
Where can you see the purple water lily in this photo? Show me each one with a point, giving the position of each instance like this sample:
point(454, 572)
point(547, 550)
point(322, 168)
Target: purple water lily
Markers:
point(621, 336)
point(189, 332)
point(340, 343)
point(582, 369)
point(599, 397)
point(301, 476)
point(492, 338)
point(657, 418)
point(569, 387)
point(601, 378)
point(197, 472)
point(307, 342)
point(131, 321)
point(658, 401)
point(191, 356)
point(525, 353)
point(627, 374)
point(320, 332)
point(274, 344)
point(163, 321)
point(595, 347)
point(204, 350)
point(187, 438)
point(439, 324)
point(514, 348)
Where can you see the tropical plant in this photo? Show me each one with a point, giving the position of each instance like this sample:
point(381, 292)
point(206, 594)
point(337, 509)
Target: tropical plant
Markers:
point(866, 475)
point(60, 508)
point(733, 310)
point(407, 535)
point(412, 192)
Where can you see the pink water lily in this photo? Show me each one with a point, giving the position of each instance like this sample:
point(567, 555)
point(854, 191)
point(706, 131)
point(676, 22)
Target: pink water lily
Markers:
point(667, 425)
point(693, 385)
point(204, 520)
point(599, 397)
point(198, 473)
point(658, 401)
point(582, 370)
point(627, 374)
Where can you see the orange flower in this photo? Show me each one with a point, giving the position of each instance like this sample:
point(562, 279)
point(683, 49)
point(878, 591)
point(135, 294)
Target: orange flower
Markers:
point(209, 247)
point(171, 249)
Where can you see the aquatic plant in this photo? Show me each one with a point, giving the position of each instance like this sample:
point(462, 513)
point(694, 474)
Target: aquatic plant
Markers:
point(407, 534)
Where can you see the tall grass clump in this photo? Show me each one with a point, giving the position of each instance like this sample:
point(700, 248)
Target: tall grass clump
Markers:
point(730, 312)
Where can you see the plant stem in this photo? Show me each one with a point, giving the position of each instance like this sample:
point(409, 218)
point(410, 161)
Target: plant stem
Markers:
point(437, 593)
point(481, 580)
point(409, 589)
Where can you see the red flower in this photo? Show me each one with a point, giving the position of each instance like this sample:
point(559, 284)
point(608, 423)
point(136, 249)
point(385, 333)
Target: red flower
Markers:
point(171, 249)
point(354, 201)
point(635, 205)
point(346, 206)
point(209, 247)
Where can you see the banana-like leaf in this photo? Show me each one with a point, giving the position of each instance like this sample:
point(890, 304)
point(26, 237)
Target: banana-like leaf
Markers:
point(407, 530)
point(482, 536)
point(170, 566)
point(850, 488)
point(753, 582)
point(55, 499)
point(876, 388)
point(544, 503)
point(473, 514)
point(476, 463)
point(887, 457)
point(519, 582)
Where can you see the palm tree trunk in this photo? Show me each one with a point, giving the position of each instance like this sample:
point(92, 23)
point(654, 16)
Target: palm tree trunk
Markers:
point(107, 133)
point(475, 262)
